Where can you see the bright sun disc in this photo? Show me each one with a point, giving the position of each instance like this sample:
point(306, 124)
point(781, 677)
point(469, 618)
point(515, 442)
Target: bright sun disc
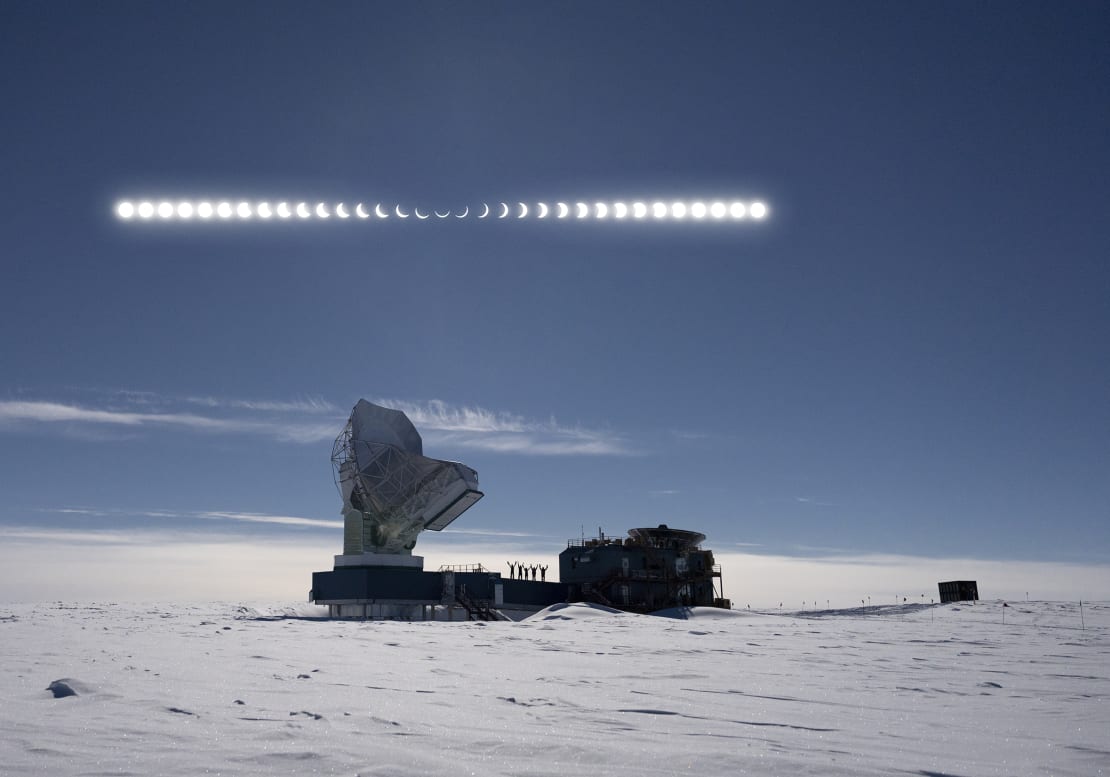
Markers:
point(718, 210)
point(165, 210)
point(737, 210)
point(758, 210)
point(224, 210)
point(698, 210)
point(185, 210)
point(204, 210)
point(659, 210)
point(125, 210)
point(678, 210)
point(639, 210)
point(243, 210)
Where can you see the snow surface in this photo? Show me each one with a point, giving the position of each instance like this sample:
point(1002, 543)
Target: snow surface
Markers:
point(573, 690)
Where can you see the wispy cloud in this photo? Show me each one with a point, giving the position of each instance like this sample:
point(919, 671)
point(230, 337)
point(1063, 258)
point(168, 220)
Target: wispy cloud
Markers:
point(307, 420)
point(308, 405)
point(281, 520)
point(59, 413)
point(209, 515)
point(664, 492)
point(477, 428)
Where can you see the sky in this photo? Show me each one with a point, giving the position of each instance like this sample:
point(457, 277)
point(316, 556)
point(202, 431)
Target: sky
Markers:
point(899, 376)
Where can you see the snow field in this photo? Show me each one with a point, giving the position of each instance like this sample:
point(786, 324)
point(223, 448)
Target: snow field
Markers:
point(233, 690)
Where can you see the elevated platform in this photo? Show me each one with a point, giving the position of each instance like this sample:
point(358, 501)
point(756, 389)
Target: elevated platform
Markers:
point(410, 593)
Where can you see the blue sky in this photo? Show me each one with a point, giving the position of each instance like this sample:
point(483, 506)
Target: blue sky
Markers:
point(907, 360)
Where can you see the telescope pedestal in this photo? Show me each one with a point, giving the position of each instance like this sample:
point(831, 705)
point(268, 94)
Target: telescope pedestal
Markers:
point(379, 560)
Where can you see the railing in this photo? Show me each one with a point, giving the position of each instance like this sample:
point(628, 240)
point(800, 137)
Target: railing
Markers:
point(463, 568)
point(593, 542)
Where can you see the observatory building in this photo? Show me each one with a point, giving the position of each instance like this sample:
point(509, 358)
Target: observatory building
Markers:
point(391, 492)
point(650, 569)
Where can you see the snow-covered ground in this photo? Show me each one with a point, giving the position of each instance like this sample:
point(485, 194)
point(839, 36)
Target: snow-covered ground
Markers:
point(574, 690)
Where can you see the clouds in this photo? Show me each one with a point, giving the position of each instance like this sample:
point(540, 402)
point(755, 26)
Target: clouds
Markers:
point(104, 523)
point(171, 562)
point(312, 420)
point(157, 566)
point(477, 428)
point(113, 515)
point(23, 413)
point(307, 405)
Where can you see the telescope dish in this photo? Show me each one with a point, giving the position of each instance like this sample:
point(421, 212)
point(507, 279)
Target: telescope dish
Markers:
point(391, 491)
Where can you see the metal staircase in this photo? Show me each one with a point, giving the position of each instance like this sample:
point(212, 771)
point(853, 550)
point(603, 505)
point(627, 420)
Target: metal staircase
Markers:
point(475, 610)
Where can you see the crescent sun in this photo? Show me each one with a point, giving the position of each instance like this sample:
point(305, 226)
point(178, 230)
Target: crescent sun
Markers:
point(302, 210)
point(442, 215)
point(322, 211)
point(523, 210)
point(485, 212)
point(504, 210)
point(283, 210)
point(400, 214)
point(462, 215)
point(418, 214)
point(361, 212)
point(583, 210)
point(341, 211)
point(379, 212)
point(563, 210)
point(543, 210)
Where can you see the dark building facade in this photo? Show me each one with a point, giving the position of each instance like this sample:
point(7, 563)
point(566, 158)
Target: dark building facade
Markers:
point(958, 591)
point(412, 593)
point(651, 569)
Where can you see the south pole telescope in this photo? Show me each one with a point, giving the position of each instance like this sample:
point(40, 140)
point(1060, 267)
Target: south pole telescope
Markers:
point(391, 491)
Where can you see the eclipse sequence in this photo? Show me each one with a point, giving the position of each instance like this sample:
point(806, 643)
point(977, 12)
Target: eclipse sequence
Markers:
point(140, 210)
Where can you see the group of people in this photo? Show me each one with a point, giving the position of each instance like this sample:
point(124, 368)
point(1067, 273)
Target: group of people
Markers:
point(520, 571)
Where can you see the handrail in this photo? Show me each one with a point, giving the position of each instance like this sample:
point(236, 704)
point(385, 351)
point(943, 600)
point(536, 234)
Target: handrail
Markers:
point(463, 568)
